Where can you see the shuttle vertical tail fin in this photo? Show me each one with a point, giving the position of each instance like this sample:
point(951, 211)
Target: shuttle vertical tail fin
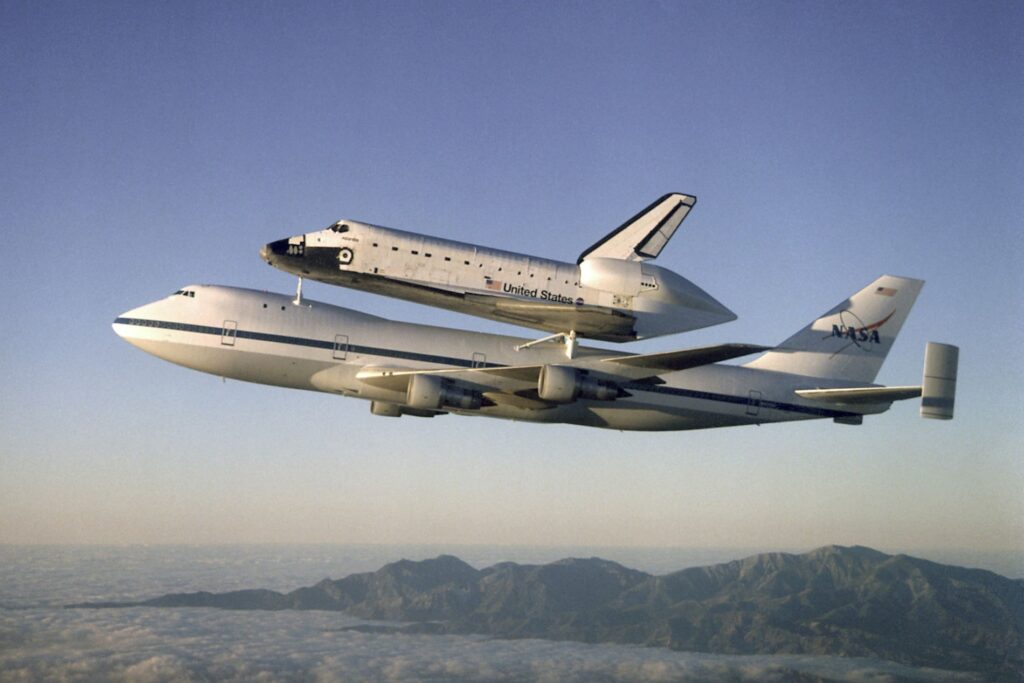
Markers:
point(644, 235)
point(850, 341)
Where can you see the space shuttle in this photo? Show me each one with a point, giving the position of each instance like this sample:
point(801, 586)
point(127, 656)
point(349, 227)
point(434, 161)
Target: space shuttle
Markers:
point(612, 293)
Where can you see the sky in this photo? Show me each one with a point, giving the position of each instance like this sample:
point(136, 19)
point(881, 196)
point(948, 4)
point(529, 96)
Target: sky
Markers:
point(146, 146)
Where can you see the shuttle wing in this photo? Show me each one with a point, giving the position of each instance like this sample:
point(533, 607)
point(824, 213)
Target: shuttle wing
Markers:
point(595, 322)
point(644, 235)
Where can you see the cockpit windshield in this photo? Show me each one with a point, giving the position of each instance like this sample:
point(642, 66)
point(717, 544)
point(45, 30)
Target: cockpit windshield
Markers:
point(185, 292)
point(338, 227)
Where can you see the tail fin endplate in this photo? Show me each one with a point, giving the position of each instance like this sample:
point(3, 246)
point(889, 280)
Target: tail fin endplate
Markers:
point(849, 342)
point(644, 235)
point(939, 389)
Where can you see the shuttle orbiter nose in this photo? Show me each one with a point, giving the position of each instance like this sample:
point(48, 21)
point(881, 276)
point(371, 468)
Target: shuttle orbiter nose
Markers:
point(271, 249)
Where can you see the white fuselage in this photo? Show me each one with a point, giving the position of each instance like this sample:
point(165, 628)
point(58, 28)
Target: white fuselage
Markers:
point(600, 298)
point(266, 338)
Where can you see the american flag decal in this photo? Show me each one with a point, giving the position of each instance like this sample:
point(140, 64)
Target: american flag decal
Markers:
point(886, 291)
point(493, 284)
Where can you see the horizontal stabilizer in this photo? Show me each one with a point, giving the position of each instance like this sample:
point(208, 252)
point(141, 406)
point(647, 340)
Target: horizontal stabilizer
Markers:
point(644, 235)
point(858, 395)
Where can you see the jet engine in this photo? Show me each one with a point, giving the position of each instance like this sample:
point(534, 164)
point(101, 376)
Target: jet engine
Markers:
point(429, 392)
point(562, 384)
point(385, 409)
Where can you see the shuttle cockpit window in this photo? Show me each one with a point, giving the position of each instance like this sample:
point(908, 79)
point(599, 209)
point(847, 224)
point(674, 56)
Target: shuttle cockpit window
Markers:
point(338, 227)
point(185, 292)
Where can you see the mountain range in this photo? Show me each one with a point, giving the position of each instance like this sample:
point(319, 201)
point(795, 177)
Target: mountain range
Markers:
point(840, 601)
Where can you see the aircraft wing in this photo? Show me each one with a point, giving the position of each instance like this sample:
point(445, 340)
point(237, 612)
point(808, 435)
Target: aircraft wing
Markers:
point(517, 384)
point(396, 379)
point(856, 395)
point(671, 361)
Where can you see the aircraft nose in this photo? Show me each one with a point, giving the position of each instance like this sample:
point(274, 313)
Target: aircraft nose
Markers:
point(119, 325)
point(127, 326)
point(271, 249)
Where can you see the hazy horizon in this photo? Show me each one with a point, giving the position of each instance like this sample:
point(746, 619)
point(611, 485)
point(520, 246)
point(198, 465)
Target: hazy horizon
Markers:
point(650, 559)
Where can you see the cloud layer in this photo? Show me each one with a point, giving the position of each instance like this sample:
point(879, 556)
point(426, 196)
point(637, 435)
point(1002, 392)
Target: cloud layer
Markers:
point(143, 644)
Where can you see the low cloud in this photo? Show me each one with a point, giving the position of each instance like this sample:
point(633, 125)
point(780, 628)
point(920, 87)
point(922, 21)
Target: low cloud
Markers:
point(169, 645)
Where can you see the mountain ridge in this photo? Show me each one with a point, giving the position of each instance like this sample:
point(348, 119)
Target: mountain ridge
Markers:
point(834, 600)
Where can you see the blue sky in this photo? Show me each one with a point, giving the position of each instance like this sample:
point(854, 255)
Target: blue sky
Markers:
point(150, 145)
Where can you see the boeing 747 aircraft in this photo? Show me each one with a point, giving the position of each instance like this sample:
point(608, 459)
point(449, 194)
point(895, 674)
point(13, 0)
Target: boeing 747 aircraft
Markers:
point(826, 370)
point(611, 293)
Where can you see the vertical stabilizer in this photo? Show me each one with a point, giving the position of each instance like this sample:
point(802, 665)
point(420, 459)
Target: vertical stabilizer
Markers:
point(849, 342)
point(644, 235)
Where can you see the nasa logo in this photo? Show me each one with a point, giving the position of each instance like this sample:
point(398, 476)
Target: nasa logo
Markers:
point(579, 301)
point(853, 330)
point(345, 256)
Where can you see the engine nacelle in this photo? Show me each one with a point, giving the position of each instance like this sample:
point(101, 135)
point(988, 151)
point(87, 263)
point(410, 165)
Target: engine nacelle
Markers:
point(612, 275)
point(430, 392)
point(384, 409)
point(562, 384)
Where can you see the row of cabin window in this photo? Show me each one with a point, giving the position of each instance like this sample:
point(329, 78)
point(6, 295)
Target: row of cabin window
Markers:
point(341, 227)
point(427, 254)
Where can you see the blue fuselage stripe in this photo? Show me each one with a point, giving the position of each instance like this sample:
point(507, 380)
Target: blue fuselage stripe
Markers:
point(303, 341)
point(464, 363)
